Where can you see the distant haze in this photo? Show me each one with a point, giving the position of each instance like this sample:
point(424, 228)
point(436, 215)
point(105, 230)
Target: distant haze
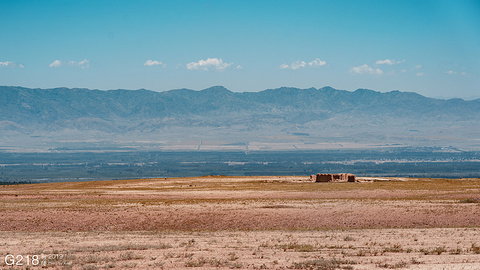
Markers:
point(218, 119)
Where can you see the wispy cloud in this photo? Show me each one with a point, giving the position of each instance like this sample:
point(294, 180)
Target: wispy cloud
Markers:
point(56, 63)
point(420, 74)
point(302, 64)
point(209, 64)
point(298, 65)
point(384, 62)
point(455, 69)
point(80, 64)
point(389, 62)
point(453, 72)
point(366, 69)
point(10, 64)
point(317, 63)
point(150, 63)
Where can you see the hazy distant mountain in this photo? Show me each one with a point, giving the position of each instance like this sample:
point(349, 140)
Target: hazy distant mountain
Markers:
point(183, 114)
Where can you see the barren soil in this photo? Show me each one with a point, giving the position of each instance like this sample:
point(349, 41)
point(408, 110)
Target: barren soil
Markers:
point(217, 222)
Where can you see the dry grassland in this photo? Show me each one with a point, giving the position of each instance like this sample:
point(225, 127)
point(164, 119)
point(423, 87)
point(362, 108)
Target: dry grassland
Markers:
point(243, 222)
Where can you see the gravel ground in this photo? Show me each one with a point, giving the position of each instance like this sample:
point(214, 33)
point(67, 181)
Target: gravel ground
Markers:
point(275, 222)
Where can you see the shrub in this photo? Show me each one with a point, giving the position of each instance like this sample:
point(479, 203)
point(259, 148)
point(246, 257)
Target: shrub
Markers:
point(470, 200)
point(322, 264)
point(395, 248)
point(393, 266)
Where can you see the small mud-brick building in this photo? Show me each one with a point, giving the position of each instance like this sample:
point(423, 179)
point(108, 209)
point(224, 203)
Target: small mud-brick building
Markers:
point(329, 177)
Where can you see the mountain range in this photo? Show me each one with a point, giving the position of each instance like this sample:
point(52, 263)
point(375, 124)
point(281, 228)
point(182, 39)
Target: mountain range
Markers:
point(301, 118)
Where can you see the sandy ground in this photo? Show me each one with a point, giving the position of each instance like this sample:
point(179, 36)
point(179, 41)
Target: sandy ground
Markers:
point(242, 222)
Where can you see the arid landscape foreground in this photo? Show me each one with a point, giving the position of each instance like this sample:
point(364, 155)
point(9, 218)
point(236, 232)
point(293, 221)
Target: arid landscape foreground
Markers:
point(219, 222)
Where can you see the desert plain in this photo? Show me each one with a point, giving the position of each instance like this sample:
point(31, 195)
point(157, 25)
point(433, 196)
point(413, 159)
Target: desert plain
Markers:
point(255, 222)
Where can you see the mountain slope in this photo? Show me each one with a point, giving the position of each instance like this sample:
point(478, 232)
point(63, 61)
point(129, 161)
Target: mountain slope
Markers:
point(217, 112)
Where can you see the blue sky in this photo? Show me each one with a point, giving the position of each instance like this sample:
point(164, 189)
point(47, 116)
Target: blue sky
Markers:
point(429, 47)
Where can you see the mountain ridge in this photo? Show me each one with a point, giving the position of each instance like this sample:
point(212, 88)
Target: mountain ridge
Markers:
point(181, 114)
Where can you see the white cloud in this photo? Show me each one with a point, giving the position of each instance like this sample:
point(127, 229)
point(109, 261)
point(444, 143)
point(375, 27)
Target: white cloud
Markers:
point(10, 64)
point(239, 67)
point(150, 63)
point(209, 64)
point(6, 64)
point(385, 62)
point(298, 65)
point(420, 74)
point(317, 62)
point(302, 64)
point(366, 69)
point(56, 63)
point(452, 72)
point(389, 62)
point(418, 66)
point(81, 64)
